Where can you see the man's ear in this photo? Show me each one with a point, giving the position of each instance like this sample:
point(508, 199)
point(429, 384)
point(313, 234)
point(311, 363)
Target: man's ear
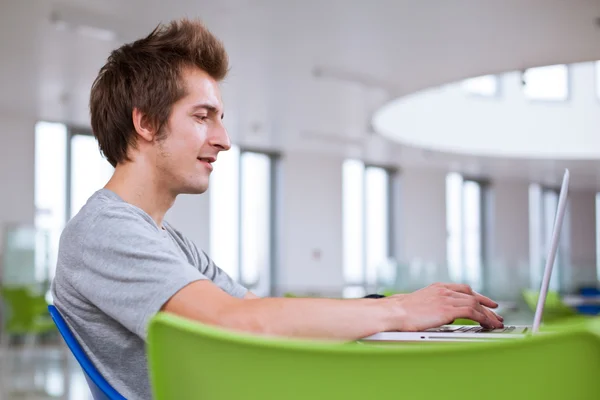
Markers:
point(142, 124)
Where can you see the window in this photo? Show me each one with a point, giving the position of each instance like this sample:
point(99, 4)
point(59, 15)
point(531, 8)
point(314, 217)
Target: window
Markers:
point(89, 170)
point(366, 225)
point(255, 221)
point(68, 170)
point(486, 85)
point(224, 212)
point(50, 184)
point(598, 236)
point(543, 204)
point(353, 233)
point(547, 83)
point(465, 208)
point(597, 65)
point(242, 217)
point(377, 217)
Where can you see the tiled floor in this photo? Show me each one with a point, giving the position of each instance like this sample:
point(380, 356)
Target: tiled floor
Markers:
point(45, 372)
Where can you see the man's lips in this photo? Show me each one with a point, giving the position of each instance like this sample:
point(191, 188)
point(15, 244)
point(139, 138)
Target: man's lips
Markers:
point(207, 161)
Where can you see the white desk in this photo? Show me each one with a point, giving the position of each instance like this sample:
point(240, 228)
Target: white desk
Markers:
point(577, 300)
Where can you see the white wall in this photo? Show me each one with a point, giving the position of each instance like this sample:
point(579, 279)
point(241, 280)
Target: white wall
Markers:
point(507, 264)
point(312, 223)
point(423, 215)
point(16, 171)
point(422, 227)
point(191, 216)
point(583, 238)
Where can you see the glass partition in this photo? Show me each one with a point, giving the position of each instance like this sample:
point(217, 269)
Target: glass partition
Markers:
point(26, 257)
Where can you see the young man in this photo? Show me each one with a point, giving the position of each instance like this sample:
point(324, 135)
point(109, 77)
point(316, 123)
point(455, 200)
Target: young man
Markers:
point(157, 111)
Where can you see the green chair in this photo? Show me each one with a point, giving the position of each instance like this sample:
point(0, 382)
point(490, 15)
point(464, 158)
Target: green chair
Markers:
point(554, 308)
point(188, 360)
point(25, 312)
point(464, 321)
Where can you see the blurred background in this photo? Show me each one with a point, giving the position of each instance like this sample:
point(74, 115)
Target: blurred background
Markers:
point(378, 147)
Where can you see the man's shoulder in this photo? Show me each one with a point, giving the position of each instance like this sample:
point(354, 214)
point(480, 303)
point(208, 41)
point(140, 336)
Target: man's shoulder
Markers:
point(103, 210)
point(100, 222)
point(103, 223)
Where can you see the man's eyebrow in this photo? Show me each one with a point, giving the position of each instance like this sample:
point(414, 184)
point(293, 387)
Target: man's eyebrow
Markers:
point(209, 107)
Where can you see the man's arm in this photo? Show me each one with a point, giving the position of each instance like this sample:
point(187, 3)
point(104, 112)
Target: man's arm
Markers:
point(352, 319)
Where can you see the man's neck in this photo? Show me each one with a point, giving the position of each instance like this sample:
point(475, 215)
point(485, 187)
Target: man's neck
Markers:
point(136, 184)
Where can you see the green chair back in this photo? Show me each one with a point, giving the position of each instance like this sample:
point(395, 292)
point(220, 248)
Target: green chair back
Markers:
point(464, 321)
point(554, 308)
point(25, 310)
point(188, 360)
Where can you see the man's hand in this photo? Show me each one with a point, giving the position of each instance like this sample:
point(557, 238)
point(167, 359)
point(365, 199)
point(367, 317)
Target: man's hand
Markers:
point(440, 304)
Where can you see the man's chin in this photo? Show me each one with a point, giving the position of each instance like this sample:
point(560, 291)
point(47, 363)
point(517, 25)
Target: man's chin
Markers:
point(196, 189)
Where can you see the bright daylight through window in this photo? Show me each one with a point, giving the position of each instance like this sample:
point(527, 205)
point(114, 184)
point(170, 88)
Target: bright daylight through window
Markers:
point(547, 83)
point(241, 216)
point(465, 230)
point(486, 85)
point(366, 221)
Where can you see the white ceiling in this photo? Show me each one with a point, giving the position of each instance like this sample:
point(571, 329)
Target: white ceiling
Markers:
point(365, 53)
point(508, 126)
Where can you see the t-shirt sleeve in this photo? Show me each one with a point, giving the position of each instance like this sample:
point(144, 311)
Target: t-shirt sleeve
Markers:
point(220, 277)
point(209, 269)
point(130, 269)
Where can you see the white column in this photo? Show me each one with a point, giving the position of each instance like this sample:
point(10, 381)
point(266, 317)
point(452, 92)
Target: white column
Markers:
point(191, 215)
point(311, 229)
point(582, 205)
point(506, 267)
point(17, 156)
point(421, 229)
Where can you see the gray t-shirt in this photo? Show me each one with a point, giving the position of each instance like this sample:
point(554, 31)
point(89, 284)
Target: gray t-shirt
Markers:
point(116, 268)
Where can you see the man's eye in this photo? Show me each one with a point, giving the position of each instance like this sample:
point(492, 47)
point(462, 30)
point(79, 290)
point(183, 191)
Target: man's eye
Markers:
point(202, 117)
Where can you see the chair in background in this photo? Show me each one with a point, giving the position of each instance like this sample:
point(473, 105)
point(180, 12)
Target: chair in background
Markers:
point(100, 388)
point(589, 291)
point(24, 315)
point(554, 308)
point(188, 360)
point(25, 312)
point(24, 277)
point(591, 300)
point(464, 321)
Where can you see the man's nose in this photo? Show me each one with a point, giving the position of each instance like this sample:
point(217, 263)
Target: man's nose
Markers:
point(219, 138)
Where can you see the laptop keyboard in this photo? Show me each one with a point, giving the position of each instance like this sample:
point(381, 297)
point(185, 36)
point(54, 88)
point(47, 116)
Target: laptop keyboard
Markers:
point(471, 329)
point(479, 329)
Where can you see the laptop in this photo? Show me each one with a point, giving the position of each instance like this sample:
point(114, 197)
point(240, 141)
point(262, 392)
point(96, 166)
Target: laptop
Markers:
point(476, 332)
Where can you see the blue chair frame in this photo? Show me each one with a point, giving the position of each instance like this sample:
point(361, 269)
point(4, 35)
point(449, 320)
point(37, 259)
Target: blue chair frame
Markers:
point(100, 388)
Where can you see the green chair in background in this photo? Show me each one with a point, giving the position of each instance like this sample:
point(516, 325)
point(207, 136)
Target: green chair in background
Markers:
point(25, 312)
point(25, 266)
point(554, 308)
point(464, 321)
point(188, 360)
